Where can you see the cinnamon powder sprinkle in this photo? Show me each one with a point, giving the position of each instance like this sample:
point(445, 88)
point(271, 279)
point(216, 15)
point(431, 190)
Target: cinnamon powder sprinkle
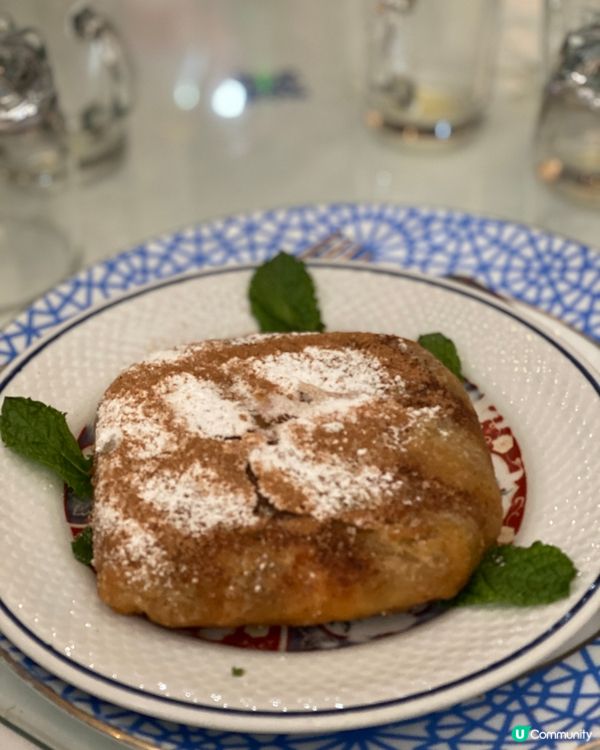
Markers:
point(217, 434)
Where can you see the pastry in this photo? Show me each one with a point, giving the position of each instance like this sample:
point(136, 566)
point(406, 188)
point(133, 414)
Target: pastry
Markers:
point(288, 479)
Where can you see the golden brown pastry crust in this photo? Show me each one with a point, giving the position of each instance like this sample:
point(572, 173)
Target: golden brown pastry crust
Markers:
point(292, 479)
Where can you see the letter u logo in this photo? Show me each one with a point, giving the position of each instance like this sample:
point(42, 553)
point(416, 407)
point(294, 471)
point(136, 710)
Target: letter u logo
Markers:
point(520, 734)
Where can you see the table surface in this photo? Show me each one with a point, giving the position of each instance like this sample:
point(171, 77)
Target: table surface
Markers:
point(186, 163)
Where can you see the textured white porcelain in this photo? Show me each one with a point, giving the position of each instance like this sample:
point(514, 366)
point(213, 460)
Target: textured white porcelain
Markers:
point(49, 605)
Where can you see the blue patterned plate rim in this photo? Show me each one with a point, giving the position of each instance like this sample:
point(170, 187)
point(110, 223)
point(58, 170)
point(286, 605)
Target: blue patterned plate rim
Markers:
point(484, 679)
point(538, 284)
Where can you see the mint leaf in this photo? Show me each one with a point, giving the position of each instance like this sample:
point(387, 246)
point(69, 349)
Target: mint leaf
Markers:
point(40, 433)
point(237, 671)
point(443, 349)
point(520, 576)
point(282, 296)
point(82, 546)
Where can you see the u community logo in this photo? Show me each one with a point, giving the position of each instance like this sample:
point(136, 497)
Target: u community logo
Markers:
point(524, 732)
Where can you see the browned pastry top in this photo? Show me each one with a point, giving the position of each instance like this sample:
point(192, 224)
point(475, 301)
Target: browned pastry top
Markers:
point(272, 436)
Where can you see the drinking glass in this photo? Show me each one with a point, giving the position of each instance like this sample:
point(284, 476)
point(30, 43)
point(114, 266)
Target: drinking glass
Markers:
point(69, 80)
point(430, 66)
point(567, 138)
point(35, 251)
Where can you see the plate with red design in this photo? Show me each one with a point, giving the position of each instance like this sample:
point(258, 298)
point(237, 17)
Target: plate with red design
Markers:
point(538, 403)
point(512, 481)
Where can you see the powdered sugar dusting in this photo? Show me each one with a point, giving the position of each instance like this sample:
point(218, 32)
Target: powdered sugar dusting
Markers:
point(254, 337)
point(124, 418)
point(197, 500)
point(334, 371)
point(422, 414)
point(203, 408)
point(316, 382)
point(415, 419)
point(138, 545)
point(330, 487)
point(166, 356)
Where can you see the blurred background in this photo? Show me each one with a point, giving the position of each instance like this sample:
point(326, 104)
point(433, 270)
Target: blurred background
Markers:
point(230, 105)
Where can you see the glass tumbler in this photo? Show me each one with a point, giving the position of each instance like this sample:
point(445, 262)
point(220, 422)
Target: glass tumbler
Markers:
point(567, 138)
point(65, 90)
point(36, 250)
point(430, 66)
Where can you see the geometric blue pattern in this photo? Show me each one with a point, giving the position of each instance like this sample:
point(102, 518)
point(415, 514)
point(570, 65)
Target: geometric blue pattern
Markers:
point(558, 275)
point(561, 697)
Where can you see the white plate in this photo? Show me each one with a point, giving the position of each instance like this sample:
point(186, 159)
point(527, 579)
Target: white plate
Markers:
point(49, 607)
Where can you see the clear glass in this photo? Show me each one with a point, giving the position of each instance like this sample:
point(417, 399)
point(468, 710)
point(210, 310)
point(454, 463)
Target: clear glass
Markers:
point(35, 252)
point(65, 90)
point(567, 139)
point(32, 129)
point(430, 66)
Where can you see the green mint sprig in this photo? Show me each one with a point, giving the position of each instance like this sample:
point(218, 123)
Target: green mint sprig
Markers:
point(443, 349)
point(283, 298)
point(40, 433)
point(83, 546)
point(519, 576)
